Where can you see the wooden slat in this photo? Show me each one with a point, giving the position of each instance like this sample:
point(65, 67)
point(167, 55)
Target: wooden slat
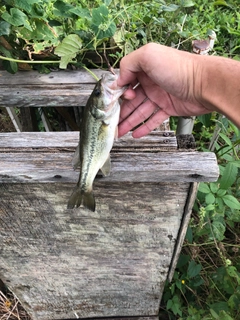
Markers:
point(32, 89)
point(34, 78)
point(126, 167)
point(155, 141)
point(45, 97)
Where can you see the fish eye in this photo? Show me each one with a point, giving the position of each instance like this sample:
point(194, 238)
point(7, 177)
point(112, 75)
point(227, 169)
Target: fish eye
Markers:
point(97, 92)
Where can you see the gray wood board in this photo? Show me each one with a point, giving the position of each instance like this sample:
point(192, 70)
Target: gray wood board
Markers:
point(32, 89)
point(126, 167)
point(75, 263)
point(155, 141)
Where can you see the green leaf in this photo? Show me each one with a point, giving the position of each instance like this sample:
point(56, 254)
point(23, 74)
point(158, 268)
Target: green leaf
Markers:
point(68, 49)
point(229, 176)
point(214, 314)
point(210, 198)
point(210, 207)
point(219, 202)
point(174, 305)
point(226, 139)
point(220, 3)
point(81, 12)
point(101, 25)
point(219, 229)
point(24, 5)
point(205, 119)
point(63, 9)
point(10, 66)
point(193, 269)
point(236, 163)
point(183, 260)
point(221, 192)
point(5, 28)
point(189, 235)
point(231, 201)
point(204, 188)
point(219, 306)
point(224, 316)
point(16, 18)
point(214, 187)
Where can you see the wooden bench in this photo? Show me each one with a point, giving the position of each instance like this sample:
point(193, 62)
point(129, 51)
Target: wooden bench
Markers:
point(114, 262)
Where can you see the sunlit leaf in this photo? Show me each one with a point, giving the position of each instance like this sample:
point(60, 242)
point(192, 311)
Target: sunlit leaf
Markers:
point(68, 49)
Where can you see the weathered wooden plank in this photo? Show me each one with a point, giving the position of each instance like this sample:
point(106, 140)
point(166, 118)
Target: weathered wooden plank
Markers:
point(62, 89)
point(75, 263)
point(126, 167)
point(47, 97)
point(155, 141)
point(34, 78)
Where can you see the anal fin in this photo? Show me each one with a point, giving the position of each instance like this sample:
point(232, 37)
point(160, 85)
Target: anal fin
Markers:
point(106, 168)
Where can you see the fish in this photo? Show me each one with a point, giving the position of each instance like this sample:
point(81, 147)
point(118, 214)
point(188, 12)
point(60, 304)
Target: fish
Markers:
point(97, 134)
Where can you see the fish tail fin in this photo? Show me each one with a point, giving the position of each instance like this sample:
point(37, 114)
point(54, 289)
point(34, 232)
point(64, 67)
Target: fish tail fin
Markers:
point(88, 201)
point(85, 198)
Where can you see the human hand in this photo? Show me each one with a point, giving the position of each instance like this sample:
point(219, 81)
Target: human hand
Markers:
point(169, 85)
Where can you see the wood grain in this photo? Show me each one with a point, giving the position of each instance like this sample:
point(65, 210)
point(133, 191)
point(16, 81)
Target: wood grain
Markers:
point(112, 262)
point(57, 89)
point(155, 141)
point(66, 264)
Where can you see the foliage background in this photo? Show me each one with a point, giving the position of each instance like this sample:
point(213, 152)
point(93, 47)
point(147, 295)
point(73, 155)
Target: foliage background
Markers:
point(73, 34)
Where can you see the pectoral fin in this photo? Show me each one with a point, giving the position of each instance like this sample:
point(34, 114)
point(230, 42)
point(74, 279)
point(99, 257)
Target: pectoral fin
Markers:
point(106, 168)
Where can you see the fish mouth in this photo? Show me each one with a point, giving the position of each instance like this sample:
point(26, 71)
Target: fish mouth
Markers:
point(110, 95)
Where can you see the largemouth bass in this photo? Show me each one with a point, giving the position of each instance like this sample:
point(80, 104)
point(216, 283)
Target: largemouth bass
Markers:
point(99, 127)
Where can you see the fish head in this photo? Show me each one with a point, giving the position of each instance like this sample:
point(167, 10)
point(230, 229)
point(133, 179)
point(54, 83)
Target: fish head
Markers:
point(104, 97)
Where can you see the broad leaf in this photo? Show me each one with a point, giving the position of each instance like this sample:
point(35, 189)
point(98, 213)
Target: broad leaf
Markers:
point(16, 18)
point(218, 228)
point(68, 49)
point(205, 119)
point(231, 201)
point(229, 176)
point(204, 188)
point(24, 5)
point(102, 26)
point(193, 269)
point(81, 12)
point(10, 66)
point(5, 28)
point(210, 198)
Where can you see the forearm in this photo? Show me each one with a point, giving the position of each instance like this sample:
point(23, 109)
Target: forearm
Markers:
point(220, 85)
